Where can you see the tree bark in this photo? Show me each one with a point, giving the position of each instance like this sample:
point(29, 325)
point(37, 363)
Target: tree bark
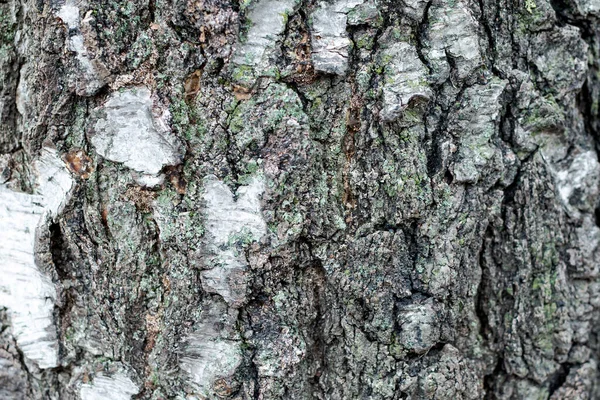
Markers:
point(299, 199)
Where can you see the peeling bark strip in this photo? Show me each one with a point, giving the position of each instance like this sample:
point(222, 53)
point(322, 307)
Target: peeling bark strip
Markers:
point(337, 199)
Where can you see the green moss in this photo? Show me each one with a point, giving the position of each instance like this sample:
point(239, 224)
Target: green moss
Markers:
point(244, 4)
point(243, 238)
point(187, 121)
point(365, 42)
point(140, 51)
point(243, 74)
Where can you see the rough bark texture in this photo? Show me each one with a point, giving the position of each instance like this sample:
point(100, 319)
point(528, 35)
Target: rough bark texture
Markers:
point(299, 199)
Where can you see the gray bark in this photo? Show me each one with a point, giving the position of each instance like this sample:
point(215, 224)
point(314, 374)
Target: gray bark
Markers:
point(299, 199)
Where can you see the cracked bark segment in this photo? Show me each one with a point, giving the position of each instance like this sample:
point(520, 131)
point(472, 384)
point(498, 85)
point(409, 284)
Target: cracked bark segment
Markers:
point(584, 251)
point(9, 75)
point(536, 339)
point(127, 131)
point(367, 13)
point(452, 40)
point(578, 383)
point(587, 7)
point(330, 42)
point(474, 123)
point(560, 56)
point(452, 376)
point(13, 375)
point(405, 78)
point(578, 186)
point(414, 9)
point(24, 290)
point(419, 326)
point(396, 179)
point(117, 386)
point(366, 220)
point(541, 124)
point(229, 222)
point(23, 93)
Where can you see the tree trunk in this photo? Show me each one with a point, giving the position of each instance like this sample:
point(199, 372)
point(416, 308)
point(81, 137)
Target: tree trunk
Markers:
point(299, 199)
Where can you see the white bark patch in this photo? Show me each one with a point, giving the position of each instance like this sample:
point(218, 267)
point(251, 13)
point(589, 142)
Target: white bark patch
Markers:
point(578, 184)
point(24, 290)
point(268, 19)
point(207, 356)
point(208, 359)
point(127, 132)
point(587, 7)
point(405, 80)
point(330, 41)
point(453, 33)
point(227, 221)
point(54, 180)
point(116, 387)
point(69, 14)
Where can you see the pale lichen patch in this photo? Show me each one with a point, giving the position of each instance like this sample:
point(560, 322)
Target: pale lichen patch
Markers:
point(419, 330)
point(578, 184)
point(475, 126)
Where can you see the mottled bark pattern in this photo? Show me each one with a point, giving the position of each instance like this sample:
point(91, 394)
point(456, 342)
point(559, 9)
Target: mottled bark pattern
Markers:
point(299, 199)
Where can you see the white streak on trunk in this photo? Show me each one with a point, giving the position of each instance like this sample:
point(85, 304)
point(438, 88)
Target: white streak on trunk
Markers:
point(207, 356)
point(24, 290)
point(69, 14)
point(228, 221)
point(330, 43)
point(116, 387)
point(268, 19)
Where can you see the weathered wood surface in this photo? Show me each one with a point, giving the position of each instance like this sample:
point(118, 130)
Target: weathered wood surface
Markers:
point(344, 199)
